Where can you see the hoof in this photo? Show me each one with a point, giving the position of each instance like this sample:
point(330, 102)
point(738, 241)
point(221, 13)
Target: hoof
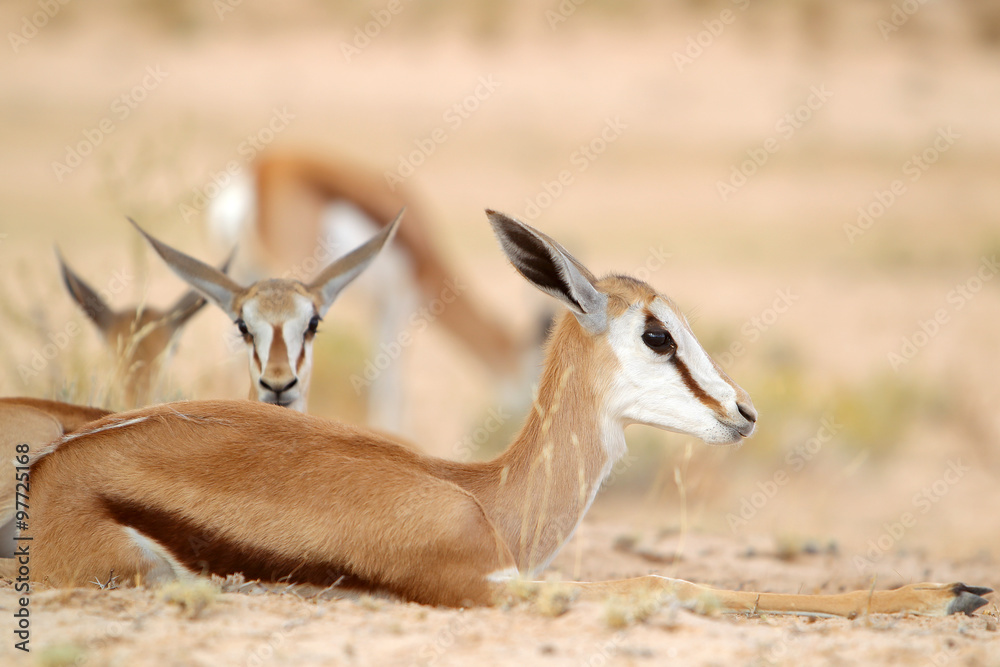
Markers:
point(967, 599)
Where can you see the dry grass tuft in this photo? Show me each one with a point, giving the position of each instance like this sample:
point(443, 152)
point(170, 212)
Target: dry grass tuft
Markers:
point(61, 655)
point(549, 598)
point(623, 611)
point(555, 599)
point(193, 596)
point(371, 602)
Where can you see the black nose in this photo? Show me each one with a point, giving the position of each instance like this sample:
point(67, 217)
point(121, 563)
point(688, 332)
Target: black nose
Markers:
point(278, 390)
point(748, 412)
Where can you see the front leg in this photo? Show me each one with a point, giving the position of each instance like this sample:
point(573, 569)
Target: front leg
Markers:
point(922, 599)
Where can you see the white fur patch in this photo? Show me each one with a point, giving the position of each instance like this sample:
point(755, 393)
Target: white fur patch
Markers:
point(164, 566)
point(502, 575)
point(53, 446)
point(650, 389)
point(233, 211)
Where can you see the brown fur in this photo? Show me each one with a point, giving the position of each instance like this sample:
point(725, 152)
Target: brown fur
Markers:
point(69, 417)
point(285, 496)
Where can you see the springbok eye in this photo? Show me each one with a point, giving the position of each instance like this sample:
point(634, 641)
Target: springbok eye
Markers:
point(659, 341)
point(313, 325)
point(244, 331)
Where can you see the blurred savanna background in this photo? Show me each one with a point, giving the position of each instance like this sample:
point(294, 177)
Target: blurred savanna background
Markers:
point(813, 182)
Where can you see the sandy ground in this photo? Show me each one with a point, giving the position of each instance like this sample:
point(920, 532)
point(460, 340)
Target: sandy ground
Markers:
point(130, 627)
point(823, 363)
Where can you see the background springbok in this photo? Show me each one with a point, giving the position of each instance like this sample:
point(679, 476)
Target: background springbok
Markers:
point(358, 511)
point(279, 317)
point(141, 339)
point(294, 204)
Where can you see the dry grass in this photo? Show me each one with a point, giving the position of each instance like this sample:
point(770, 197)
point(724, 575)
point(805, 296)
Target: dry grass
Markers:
point(193, 596)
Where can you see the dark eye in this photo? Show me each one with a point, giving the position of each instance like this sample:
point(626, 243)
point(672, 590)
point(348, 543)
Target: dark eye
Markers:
point(659, 341)
point(244, 331)
point(313, 325)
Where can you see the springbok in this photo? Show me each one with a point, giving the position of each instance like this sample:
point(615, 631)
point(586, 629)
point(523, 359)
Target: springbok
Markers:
point(277, 318)
point(34, 420)
point(295, 207)
point(224, 487)
point(141, 339)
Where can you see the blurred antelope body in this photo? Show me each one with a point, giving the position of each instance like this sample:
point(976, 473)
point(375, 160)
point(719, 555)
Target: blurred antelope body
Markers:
point(226, 487)
point(296, 208)
point(277, 318)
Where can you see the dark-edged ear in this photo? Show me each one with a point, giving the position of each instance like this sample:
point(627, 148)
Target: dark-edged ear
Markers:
point(334, 278)
point(208, 280)
point(547, 266)
point(93, 305)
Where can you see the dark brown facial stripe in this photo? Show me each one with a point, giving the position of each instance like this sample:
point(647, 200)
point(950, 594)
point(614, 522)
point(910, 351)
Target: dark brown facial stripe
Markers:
point(203, 551)
point(653, 323)
point(695, 388)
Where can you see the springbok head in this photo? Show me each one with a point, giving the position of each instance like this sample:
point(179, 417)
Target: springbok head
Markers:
point(661, 376)
point(277, 318)
point(141, 338)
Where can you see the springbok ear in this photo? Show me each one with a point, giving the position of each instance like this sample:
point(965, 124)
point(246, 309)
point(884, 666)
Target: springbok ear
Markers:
point(334, 278)
point(93, 305)
point(192, 301)
point(211, 282)
point(547, 266)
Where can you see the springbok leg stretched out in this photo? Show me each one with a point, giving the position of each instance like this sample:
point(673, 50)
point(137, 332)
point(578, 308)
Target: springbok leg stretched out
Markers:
point(142, 339)
point(296, 206)
point(226, 487)
point(277, 318)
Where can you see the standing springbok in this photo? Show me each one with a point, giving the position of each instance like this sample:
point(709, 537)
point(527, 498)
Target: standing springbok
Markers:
point(141, 339)
point(296, 206)
point(277, 318)
point(223, 487)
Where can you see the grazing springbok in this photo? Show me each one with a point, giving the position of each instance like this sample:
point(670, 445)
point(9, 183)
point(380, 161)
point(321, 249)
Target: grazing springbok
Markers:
point(141, 339)
point(295, 207)
point(223, 487)
point(277, 318)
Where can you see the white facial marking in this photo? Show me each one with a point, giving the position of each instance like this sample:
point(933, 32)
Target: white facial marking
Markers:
point(293, 324)
point(652, 388)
